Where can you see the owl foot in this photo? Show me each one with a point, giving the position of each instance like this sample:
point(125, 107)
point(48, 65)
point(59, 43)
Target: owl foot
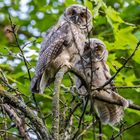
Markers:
point(125, 103)
point(68, 64)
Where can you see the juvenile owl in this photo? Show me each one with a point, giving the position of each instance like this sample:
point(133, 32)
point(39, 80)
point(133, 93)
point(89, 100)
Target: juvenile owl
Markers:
point(62, 45)
point(108, 113)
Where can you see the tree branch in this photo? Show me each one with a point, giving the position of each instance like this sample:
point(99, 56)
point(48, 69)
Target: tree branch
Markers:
point(13, 26)
point(124, 64)
point(17, 43)
point(81, 118)
point(122, 87)
point(104, 99)
point(125, 129)
point(55, 102)
point(9, 99)
point(111, 101)
point(20, 121)
point(72, 112)
point(85, 130)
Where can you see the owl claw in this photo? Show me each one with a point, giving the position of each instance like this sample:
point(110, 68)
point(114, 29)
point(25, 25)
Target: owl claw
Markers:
point(68, 64)
point(125, 103)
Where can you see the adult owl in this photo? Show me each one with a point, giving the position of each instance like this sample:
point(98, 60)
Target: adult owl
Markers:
point(62, 45)
point(96, 53)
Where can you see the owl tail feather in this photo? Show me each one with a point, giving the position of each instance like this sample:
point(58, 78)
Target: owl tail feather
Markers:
point(39, 83)
point(108, 113)
point(35, 82)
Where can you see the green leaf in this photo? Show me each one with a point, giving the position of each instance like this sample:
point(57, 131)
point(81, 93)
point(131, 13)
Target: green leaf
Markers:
point(134, 111)
point(124, 38)
point(39, 40)
point(88, 4)
point(113, 15)
point(70, 2)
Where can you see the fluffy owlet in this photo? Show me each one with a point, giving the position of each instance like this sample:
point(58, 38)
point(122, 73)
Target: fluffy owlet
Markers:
point(96, 50)
point(62, 45)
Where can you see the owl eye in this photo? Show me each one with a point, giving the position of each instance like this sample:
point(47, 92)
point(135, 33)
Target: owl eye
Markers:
point(98, 50)
point(73, 12)
point(83, 15)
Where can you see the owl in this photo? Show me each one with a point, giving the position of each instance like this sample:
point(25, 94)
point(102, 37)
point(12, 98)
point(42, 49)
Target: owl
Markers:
point(96, 53)
point(62, 46)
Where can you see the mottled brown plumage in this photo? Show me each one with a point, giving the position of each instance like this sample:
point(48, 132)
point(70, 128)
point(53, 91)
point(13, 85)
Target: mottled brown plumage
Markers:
point(62, 45)
point(108, 113)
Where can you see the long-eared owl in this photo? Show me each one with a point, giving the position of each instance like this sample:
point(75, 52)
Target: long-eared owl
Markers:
point(62, 45)
point(99, 73)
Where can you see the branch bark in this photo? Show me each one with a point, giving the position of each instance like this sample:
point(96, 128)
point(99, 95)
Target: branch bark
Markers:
point(104, 99)
point(20, 121)
point(111, 101)
point(9, 99)
point(55, 102)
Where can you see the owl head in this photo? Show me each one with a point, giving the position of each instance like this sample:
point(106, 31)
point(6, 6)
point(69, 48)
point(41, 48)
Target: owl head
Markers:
point(97, 48)
point(79, 15)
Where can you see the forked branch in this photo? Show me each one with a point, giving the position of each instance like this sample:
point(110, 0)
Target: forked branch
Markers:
point(8, 98)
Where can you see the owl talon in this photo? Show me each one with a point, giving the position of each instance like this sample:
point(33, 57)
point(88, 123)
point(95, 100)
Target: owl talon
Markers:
point(125, 103)
point(69, 65)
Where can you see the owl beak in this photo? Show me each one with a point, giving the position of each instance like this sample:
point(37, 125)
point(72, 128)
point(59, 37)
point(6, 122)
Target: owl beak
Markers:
point(76, 18)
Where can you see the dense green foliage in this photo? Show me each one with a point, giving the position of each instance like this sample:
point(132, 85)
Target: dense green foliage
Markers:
point(116, 22)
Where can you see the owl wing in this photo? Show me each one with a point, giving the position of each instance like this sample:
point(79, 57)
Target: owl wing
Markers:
point(51, 49)
point(45, 39)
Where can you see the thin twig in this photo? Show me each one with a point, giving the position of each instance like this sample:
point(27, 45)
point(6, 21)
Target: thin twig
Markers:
point(82, 77)
point(96, 116)
point(125, 129)
point(27, 44)
point(5, 81)
point(121, 128)
point(80, 121)
point(18, 120)
point(72, 112)
point(85, 130)
point(91, 54)
point(122, 87)
point(20, 105)
point(5, 131)
point(124, 64)
point(100, 129)
point(22, 53)
point(17, 42)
